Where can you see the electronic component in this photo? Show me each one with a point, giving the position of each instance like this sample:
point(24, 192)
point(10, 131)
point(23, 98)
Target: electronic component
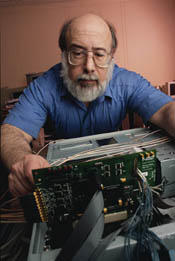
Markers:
point(65, 190)
point(113, 175)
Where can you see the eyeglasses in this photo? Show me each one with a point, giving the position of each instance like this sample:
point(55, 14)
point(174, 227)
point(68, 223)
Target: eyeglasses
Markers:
point(101, 57)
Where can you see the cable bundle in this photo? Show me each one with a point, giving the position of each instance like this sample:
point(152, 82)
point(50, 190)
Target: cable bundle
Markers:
point(149, 245)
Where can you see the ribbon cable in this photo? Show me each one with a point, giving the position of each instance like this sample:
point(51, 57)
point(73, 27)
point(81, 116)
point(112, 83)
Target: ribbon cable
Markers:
point(87, 234)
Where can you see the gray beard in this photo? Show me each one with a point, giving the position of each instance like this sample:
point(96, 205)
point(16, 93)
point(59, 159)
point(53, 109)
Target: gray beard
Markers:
point(85, 94)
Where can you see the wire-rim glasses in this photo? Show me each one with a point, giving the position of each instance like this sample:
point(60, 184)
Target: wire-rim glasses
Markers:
point(100, 57)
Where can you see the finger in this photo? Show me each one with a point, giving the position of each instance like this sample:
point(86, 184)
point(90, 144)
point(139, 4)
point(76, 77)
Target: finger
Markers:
point(21, 177)
point(37, 163)
point(13, 188)
point(17, 186)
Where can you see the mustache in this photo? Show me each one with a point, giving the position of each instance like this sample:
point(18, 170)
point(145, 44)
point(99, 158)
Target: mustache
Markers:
point(89, 77)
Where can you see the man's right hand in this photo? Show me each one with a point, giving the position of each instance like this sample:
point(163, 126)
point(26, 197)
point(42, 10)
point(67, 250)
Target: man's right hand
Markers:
point(20, 178)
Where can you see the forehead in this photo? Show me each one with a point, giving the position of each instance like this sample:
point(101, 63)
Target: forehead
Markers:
point(89, 34)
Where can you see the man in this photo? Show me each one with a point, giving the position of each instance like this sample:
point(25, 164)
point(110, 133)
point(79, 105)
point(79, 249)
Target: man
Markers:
point(86, 94)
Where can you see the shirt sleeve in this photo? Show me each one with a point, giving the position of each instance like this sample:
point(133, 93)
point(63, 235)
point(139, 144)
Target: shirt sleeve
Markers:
point(30, 112)
point(143, 98)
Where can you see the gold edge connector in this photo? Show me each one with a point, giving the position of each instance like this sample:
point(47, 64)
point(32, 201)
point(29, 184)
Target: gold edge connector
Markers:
point(40, 205)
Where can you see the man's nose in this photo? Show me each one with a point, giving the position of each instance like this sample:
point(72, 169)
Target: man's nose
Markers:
point(89, 65)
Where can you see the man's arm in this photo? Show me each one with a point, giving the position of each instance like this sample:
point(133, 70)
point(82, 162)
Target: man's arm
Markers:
point(165, 118)
point(17, 156)
point(15, 144)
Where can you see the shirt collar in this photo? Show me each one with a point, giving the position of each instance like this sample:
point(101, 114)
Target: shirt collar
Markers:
point(107, 94)
point(63, 90)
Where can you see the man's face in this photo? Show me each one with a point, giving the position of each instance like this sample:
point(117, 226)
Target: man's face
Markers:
point(88, 92)
point(88, 80)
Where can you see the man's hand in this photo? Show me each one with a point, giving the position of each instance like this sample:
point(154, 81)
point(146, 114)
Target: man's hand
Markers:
point(20, 178)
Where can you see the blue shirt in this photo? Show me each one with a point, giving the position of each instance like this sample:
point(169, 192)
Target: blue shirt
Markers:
point(71, 118)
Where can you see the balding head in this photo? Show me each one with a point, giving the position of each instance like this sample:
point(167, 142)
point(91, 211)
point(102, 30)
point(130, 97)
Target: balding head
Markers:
point(90, 22)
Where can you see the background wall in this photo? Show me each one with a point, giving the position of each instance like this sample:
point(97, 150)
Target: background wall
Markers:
point(145, 29)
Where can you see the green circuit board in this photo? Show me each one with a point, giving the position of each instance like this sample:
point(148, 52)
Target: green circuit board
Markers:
point(112, 170)
point(68, 188)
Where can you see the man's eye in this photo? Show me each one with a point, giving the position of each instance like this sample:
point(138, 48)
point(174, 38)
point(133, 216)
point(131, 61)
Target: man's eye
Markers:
point(99, 54)
point(75, 53)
